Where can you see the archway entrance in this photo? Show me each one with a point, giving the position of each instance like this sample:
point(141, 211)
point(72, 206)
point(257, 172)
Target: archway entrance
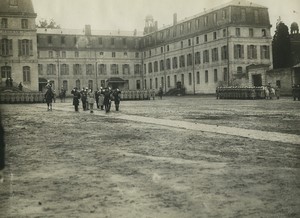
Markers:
point(116, 82)
point(257, 80)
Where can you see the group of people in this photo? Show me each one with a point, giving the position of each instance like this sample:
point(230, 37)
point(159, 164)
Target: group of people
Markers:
point(102, 97)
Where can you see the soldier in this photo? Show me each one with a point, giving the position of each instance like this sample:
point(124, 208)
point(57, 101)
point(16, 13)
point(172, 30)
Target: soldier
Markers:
point(117, 98)
point(101, 98)
point(107, 99)
point(76, 97)
point(91, 100)
point(83, 98)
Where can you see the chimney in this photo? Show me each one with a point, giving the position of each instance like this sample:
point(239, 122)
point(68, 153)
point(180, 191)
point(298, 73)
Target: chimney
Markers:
point(88, 30)
point(174, 19)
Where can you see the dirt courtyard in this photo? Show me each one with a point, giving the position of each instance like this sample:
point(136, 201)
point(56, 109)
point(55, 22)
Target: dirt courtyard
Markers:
point(143, 161)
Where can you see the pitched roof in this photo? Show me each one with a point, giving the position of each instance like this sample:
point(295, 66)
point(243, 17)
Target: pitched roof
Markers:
point(16, 7)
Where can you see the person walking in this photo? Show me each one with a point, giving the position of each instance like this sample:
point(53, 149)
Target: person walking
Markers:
point(20, 86)
point(101, 98)
point(107, 99)
point(91, 100)
point(117, 98)
point(84, 99)
point(76, 98)
point(49, 95)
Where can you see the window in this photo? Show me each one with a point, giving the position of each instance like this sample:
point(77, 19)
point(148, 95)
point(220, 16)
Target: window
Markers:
point(189, 60)
point(263, 33)
point(190, 79)
point(168, 33)
point(205, 38)
point(206, 76)
point(150, 70)
point(162, 82)
point(205, 20)
point(65, 85)
point(145, 69)
point(214, 54)
point(155, 66)
point(239, 70)
point(168, 48)
point(49, 39)
point(24, 23)
point(125, 54)
point(78, 84)
point(224, 14)
point(197, 58)
point(237, 31)
point(206, 56)
point(181, 44)
point(102, 69)
point(101, 53)
point(168, 81)
point(197, 40)
point(77, 69)
point(189, 42)
point(137, 55)
point(215, 35)
point(5, 72)
point(224, 32)
point(90, 84)
point(265, 52)
point(224, 52)
point(114, 69)
point(102, 83)
point(175, 80)
point(6, 47)
point(89, 69)
point(26, 74)
point(238, 51)
point(76, 54)
point(175, 63)
point(256, 16)
point(215, 75)
point(189, 24)
point(124, 42)
point(57, 54)
point(64, 69)
point(251, 32)
point(168, 64)
point(161, 65)
point(126, 69)
point(151, 85)
point(156, 83)
point(13, 2)
point(181, 28)
point(182, 79)
point(145, 82)
point(112, 41)
point(243, 15)
point(197, 23)
point(215, 18)
point(50, 54)
point(252, 52)
point(63, 40)
point(4, 23)
point(75, 40)
point(225, 73)
point(137, 69)
point(161, 49)
point(198, 77)
point(25, 47)
point(51, 69)
point(278, 83)
point(174, 31)
point(100, 41)
point(181, 61)
point(40, 69)
point(113, 54)
point(149, 53)
point(63, 53)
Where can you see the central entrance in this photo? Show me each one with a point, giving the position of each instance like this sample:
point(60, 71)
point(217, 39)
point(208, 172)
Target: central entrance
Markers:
point(115, 83)
point(257, 80)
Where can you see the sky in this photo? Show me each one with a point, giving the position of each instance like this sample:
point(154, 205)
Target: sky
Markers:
point(130, 14)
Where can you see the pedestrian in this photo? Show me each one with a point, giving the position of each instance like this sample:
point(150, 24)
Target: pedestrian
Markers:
point(76, 98)
point(117, 98)
point(2, 150)
point(160, 92)
point(97, 93)
point(62, 95)
point(49, 95)
point(101, 98)
point(84, 98)
point(91, 100)
point(107, 99)
point(20, 86)
point(11, 82)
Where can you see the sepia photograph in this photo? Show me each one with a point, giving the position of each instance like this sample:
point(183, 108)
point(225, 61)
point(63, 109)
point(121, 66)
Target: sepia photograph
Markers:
point(149, 108)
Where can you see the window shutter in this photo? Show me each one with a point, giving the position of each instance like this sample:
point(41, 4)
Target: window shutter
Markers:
point(20, 47)
point(30, 48)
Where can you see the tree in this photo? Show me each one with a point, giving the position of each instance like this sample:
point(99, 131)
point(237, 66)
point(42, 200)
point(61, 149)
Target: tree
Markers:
point(281, 47)
point(51, 24)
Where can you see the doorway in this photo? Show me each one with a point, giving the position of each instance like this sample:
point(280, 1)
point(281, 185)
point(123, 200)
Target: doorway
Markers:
point(257, 80)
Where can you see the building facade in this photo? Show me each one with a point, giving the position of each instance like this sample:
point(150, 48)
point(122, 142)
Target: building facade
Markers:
point(198, 53)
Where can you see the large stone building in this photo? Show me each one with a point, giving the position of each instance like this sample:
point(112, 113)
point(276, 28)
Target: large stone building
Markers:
point(200, 52)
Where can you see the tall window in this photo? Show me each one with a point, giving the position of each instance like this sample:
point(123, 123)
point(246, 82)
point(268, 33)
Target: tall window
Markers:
point(197, 40)
point(206, 76)
point(102, 69)
point(150, 70)
point(124, 41)
point(89, 69)
point(126, 69)
point(175, 80)
point(252, 52)
point(113, 54)
point(198, 77)
point(189, 42)
point(175, 63)
point(224, 32)
point(205, 38)
point(6, 47)
point(24, 23)
point(263, 32)
point(137, 69)
point(205, 20)
point(251, 34)
point(25, 47)
point(40, 69)
point(161, 65)
point(168, 81)
point(77, 69)
point(243, 15)
point(51, 69)
point(189, 60)
point(225, 73)
point(237, 31)
point(64, 69)
point(224, 14)
point(49, 39)
point(238, 51)
point(156, 83)
point(205, 56)
point(197, 57)
point(155, 66)
point(65, 85)
point(214, 54)
point(215, 75)
point(90, 84)
point(112, 41)
point(5, 72)
point(26, 74)
point(197, 23)
point(181, 28)
point(63, 53)
point(181, 61)
point(265, 52)
point(151, 85)
point(215, 35)
point(224, 52)
point(215, 18)
point(114, 69)
point(78, 84)
point(4, 23)
point(190, 78)
point(76, 54)
point(182, 79)
point(239, 70)
point(50, 54)
point(168, 64)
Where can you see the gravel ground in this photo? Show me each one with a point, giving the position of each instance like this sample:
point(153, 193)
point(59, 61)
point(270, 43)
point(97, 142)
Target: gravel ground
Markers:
point(66, 164)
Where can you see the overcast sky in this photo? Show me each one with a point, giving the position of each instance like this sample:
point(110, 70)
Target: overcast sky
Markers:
point(130, 14)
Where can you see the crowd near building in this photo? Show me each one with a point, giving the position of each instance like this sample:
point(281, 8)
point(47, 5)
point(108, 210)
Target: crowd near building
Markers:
point(197, 53)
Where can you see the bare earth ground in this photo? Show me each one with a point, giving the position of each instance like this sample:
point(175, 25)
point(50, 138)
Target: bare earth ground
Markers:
point(67, 164)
